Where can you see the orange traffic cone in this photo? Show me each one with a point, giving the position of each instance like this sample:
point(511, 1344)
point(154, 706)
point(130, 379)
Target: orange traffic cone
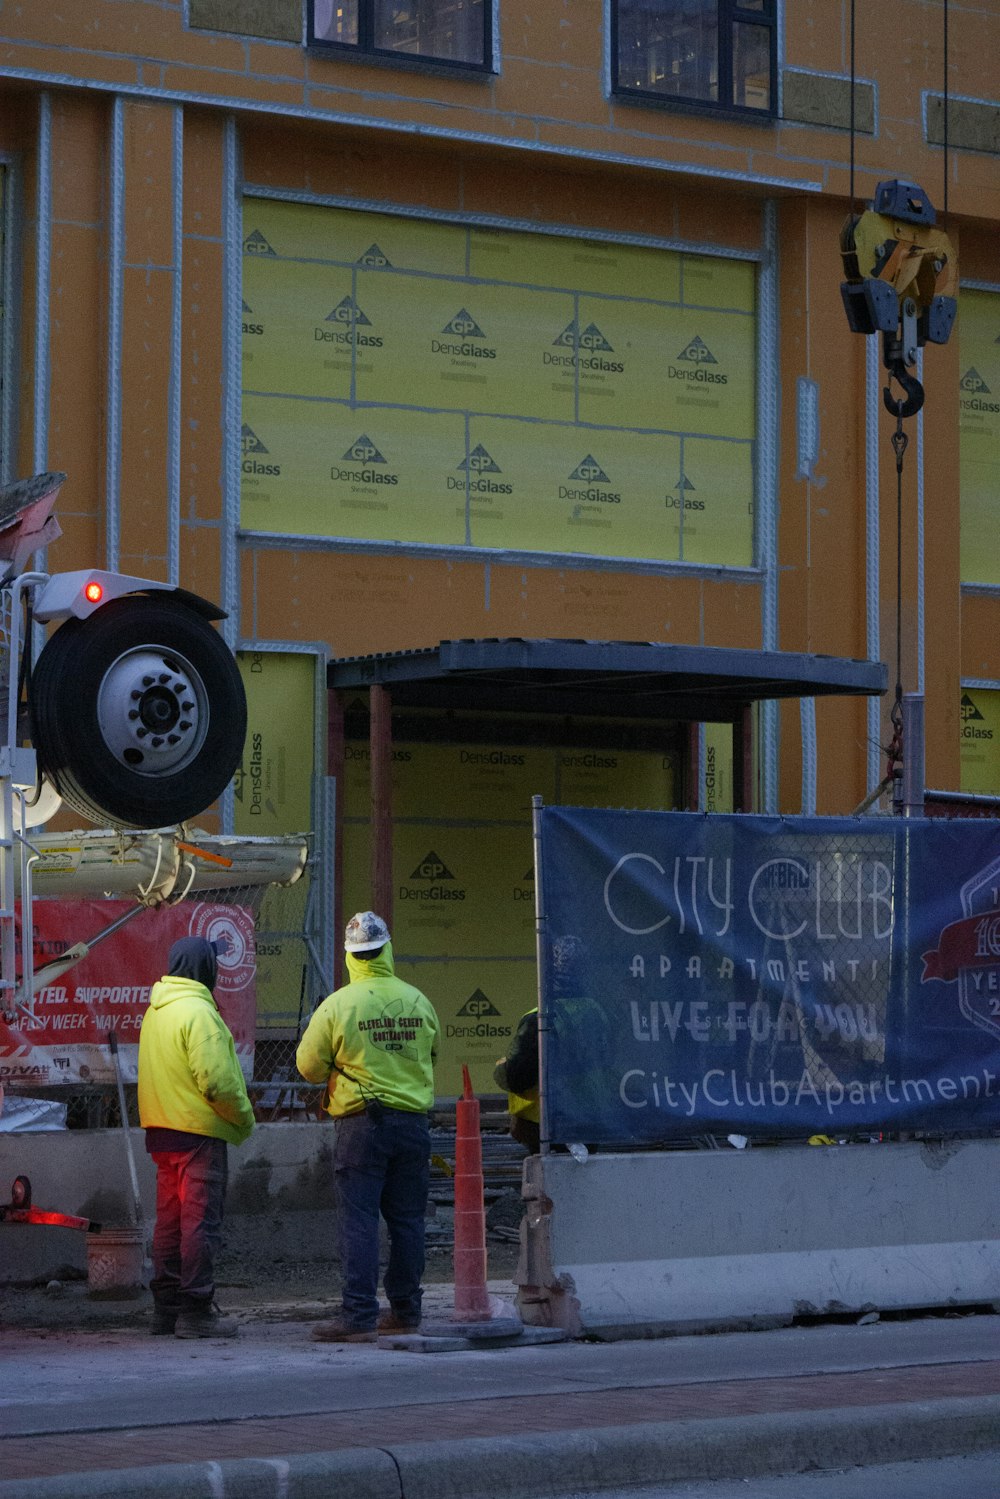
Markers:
point(472, 1302)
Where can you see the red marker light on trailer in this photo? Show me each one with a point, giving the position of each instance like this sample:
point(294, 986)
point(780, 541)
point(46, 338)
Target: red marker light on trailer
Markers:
point(93, 593)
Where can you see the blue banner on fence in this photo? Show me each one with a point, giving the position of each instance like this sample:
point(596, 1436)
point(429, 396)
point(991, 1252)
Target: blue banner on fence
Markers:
point(776, 977)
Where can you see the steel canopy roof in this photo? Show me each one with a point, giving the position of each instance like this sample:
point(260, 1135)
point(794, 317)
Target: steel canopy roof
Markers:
point(602, 678)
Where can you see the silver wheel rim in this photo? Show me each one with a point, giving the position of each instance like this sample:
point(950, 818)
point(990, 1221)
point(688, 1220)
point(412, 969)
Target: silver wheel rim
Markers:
point(152, 711)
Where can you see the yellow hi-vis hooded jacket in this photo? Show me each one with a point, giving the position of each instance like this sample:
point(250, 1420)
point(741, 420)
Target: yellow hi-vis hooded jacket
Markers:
point(376, 1038)
point(189, 1077)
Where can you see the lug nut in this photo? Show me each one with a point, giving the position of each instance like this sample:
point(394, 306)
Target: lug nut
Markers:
point(186, 707)
point(157, 742)
point(133, 713)
point(163, 677)
point(141, 733)
point(184, 724)
point(173, 739)
point(136, 696)
point(147, 681)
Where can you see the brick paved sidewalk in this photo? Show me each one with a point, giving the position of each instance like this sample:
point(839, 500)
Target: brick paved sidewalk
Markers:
point(23, 1457)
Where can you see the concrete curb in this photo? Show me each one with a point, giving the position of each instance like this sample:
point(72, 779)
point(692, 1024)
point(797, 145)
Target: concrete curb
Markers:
point(560, 1462)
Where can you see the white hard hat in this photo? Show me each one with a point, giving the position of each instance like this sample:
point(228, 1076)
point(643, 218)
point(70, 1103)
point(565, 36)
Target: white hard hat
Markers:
point(365, 931)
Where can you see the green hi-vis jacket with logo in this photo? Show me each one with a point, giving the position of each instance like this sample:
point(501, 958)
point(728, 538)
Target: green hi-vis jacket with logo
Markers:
point(376, 1038)
point(189, 1077)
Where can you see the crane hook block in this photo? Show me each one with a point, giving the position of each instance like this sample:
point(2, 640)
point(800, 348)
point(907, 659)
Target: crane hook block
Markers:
point(900, 268)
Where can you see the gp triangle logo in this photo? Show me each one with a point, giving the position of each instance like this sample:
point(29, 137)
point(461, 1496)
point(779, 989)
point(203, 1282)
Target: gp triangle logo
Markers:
point(591, 338)
point(247, 307)
point(478, 1004)
point(363, 450)
point(479, 462)
point(256, 244)
point(973, 382)
point(374, 256)
point(464, 326)
point(348, 311)
point(969, 709)
point(697, 352)
point(590, 471)
point(432, 867)
point(250, 442)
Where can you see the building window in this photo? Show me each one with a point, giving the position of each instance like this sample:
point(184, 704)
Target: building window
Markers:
point(716, 54)
point(457, 33)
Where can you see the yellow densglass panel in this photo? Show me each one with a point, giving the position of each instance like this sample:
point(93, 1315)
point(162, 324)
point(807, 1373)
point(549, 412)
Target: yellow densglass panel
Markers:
point(479, 1004)
point(305, 231)
point(296, 337)
point(584, 265)
point(979, 435)
point(321, 469)
point(717, 492)
point(471, 348)
point(274, 781)
point(980, 751)
point(710, 281)
point(640, 779)
point(718, 785)
point(560, 489)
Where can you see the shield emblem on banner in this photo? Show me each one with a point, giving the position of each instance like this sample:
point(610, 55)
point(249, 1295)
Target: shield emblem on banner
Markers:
point(979, 987)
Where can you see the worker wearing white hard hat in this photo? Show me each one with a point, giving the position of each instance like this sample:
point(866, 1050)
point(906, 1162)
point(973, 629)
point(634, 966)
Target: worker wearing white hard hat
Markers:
point(373, 1043)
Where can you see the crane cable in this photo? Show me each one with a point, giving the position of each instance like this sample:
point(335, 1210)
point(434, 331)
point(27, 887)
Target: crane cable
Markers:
point(899, 439)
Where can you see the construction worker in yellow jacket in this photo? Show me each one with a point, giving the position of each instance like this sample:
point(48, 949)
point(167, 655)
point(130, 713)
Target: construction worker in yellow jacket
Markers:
point(192, 1104)
point(373, 1044)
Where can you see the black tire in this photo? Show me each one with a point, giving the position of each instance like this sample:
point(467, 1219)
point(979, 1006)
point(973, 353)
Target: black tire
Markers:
point(138, 712)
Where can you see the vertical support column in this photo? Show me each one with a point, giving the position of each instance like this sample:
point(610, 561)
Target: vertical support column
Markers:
point(43, 254)
point(116, 257)
point(335, 762)
point(872, 553)
point(767, 492)
point(913, 754)
point(380, 739)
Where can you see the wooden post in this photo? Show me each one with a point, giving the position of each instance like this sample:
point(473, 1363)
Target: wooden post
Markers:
point(380, 740)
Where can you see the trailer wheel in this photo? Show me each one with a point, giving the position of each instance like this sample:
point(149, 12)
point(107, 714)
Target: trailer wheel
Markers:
point(138, 712)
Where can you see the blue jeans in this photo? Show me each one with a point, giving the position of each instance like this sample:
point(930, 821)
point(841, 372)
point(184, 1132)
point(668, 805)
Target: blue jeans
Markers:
point(382, 1165)
point(190, 1190)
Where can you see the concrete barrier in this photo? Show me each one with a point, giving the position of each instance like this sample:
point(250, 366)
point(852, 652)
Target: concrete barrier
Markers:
point(683, 1240)
point(282, 1166)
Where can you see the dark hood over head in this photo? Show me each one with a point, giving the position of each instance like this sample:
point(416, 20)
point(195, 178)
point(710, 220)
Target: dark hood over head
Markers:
point(193, 958)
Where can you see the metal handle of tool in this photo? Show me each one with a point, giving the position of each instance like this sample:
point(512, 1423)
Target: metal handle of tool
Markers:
point(133, 1173)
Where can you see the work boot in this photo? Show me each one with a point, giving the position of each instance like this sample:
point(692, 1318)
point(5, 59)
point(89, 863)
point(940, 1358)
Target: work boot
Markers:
point(209, 1323)
point(339, 1331)
point(163, 1321)
point(390, 1320)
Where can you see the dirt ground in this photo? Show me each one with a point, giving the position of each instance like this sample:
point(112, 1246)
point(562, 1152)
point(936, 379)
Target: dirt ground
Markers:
point(279, 1267)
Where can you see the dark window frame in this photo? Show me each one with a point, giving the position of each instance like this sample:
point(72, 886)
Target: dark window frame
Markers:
point(730, 12)
point(364, 48)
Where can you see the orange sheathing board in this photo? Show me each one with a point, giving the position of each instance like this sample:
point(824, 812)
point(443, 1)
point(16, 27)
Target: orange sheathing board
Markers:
point(145, 363)
point(842, 754)
point(202, 333)
point(80, 543)
point(584, 604)
point(276, 60)
point(573, 93)
point(79, 131)
point(203, 173)
point(729, 614)
point(561, 31)
point(981, 637)
point(201, 390)
point(360, 604)
point(77, 391)
point(821, 523)
point(148, 182)
point(352, 168)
